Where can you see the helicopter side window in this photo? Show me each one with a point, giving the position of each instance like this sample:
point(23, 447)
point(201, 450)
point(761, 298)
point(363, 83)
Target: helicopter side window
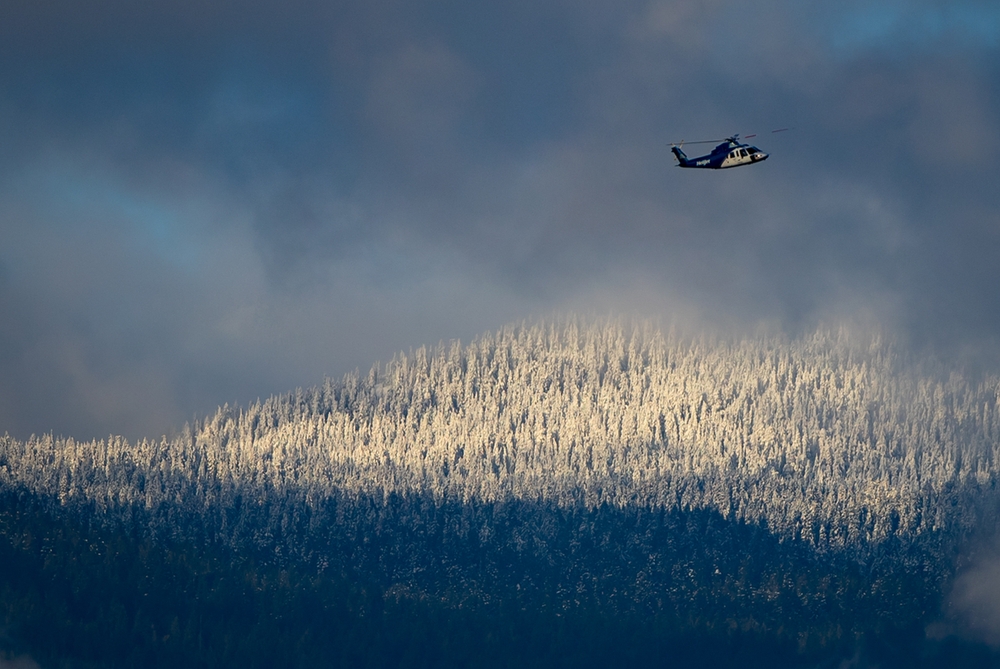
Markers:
point(743, 153)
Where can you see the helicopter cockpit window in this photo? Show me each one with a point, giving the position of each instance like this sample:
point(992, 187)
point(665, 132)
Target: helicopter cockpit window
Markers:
point(743, 153)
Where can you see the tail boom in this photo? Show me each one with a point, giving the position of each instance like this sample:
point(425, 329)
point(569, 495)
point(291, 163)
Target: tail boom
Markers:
point(682, 159)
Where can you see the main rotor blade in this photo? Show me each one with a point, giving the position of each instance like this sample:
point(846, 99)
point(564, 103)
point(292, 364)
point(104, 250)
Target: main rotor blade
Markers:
point(704, 141)
point(727, 139)
point(772, 132)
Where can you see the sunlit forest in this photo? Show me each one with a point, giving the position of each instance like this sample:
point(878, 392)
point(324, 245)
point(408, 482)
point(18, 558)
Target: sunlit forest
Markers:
point(562, 493)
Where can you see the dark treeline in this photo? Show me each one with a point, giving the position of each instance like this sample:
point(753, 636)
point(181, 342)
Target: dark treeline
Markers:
point(553, 495)
point(547, 588)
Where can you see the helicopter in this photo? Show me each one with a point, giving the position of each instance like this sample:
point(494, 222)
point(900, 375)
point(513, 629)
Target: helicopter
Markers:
point(730, 153)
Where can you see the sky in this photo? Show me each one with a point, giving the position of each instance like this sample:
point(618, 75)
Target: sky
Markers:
point(218, 201)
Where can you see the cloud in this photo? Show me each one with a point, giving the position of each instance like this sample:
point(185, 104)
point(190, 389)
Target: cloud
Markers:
point(205, 203)
point(955, 116)
point(974, 602)
point(420, 89)
point(915, 25)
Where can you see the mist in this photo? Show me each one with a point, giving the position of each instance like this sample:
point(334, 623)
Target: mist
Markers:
point(215, 203)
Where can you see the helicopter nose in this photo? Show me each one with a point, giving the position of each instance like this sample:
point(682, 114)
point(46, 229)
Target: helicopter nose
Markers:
point(760, 155)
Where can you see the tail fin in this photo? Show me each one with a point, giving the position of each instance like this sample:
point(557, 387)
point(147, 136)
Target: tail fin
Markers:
point(680, 155)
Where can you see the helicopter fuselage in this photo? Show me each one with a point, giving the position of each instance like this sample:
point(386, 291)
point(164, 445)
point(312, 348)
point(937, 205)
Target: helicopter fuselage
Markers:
point(728, 154)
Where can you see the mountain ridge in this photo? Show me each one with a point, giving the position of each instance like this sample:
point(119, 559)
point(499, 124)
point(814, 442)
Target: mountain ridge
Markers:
point(580, 416)
point(810, 490)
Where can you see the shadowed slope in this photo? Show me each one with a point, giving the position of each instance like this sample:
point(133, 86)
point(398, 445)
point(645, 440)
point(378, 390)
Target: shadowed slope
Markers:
point(810, 490)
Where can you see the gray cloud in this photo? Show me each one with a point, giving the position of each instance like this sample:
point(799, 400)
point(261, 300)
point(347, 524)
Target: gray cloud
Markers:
point(973, 604)
point(203, 203)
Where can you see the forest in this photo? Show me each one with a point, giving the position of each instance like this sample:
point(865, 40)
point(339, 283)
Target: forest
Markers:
point(559, 493)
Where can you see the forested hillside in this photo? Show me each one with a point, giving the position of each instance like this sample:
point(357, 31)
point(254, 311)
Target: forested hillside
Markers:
point(806, 492)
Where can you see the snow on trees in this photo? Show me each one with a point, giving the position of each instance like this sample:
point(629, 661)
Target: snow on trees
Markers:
point(834, 440)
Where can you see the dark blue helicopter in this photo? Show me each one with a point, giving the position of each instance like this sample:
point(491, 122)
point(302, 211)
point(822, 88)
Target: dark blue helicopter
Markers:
point(730, 153)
